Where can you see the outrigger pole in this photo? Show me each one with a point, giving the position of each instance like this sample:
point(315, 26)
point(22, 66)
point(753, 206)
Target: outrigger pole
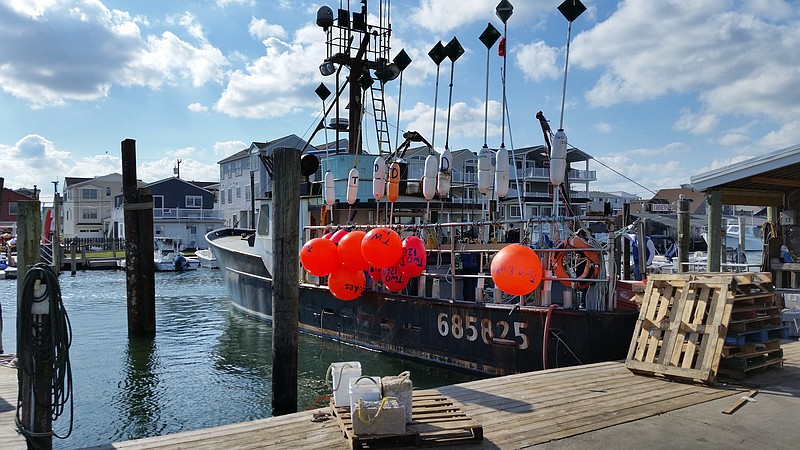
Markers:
point(437, 54)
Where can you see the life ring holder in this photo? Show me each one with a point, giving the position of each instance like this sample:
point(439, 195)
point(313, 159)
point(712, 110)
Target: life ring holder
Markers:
point(591, 262)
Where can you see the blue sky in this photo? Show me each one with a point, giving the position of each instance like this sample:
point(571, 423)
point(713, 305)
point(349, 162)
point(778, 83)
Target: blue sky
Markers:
point(657, 90)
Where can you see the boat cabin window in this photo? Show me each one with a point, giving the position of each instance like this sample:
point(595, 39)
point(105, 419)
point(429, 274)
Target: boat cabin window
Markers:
point(263, 220)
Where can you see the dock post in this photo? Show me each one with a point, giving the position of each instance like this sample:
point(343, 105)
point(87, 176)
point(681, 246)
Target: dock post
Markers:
point(684, 233)
point(35, 417)
point(715, 236)
point(139, 263)
point(72, 263)
point(285, 288)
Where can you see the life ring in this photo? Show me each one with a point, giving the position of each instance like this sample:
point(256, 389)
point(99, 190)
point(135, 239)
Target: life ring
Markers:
point(585, 262)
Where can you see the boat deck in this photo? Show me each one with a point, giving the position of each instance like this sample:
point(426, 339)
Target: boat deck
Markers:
point(596, 405)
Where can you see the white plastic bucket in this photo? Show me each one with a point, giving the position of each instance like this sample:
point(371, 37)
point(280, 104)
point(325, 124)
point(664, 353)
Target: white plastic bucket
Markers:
point(342, 373)
point(364, 388)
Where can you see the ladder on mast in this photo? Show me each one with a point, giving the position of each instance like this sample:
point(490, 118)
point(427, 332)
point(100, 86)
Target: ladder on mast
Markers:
point(381, 121)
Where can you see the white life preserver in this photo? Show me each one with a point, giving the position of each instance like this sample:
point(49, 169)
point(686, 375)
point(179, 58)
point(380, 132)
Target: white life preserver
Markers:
point(445, 174)
point(352, 186)
point(378, 178)
point(429, 177)
point(501, 172)
point(330, 192)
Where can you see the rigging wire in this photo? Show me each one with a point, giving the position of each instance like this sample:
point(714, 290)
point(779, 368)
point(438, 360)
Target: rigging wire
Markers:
point(624, 176)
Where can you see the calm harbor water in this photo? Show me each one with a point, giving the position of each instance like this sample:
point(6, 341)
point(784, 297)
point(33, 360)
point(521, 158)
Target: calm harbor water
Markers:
point(208, 365)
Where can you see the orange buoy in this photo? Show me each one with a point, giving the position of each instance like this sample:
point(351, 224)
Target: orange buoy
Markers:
point(414, 258)
point(394, 279)
point(381, 247)
point(350, 251)
point(338, 235)
point(516, 270)
point(319, 256)
point(346, 284)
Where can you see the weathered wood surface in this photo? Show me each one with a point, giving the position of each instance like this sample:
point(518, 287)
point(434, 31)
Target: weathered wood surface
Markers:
point(515, 411)
point(9, 438)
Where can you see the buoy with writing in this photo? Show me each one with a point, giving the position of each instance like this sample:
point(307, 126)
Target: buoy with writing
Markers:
point(350, 251)
point(414, 258)
point(381, 247)
point(516, 270)
point(346, 284)
point(319, 257)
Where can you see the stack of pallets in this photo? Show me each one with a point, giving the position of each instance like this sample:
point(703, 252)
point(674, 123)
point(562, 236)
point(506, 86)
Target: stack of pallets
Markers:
point(695, 326)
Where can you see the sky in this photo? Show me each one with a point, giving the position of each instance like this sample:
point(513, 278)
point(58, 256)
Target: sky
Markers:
point(656, 91)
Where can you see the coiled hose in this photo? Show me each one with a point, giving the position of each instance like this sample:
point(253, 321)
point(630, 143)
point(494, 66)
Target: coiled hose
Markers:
point(44, 335)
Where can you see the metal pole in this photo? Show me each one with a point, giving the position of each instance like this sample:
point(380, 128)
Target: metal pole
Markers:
point(684, 233)
point(285, 290)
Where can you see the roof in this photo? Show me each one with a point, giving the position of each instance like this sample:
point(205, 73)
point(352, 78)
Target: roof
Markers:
point(759, 181)
point(671, 196)
point(238, 155)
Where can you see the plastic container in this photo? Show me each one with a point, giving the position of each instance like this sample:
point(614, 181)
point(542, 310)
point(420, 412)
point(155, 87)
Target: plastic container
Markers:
point(364, 388)
point(342, 373)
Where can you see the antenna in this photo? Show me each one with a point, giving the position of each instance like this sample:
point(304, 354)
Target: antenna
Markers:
point(570, 9)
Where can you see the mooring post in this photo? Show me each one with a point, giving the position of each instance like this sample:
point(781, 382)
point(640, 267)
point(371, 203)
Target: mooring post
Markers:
point(285, 288)
point(139, 263)
point(35, 415)
point(73, 265)
point(684, 233)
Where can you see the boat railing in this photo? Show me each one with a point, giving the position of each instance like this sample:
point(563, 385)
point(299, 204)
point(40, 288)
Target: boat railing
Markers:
point(444, 276)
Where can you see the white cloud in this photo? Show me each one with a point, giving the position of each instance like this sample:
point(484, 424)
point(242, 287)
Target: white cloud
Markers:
point(696, 123)
point(228, 148)
point(197, 107)
point(261, 29)
point(537, 61)
point(466, 121)
point(278, 83)
point(442, 16)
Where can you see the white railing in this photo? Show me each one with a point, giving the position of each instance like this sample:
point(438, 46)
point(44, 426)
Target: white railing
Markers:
point(186, 213)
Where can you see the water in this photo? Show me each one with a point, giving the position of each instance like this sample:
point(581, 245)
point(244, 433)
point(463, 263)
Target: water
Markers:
point(209, 364)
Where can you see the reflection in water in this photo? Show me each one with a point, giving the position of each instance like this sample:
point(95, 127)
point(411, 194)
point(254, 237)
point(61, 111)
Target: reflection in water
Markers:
point(138, 398)
point(208, 365)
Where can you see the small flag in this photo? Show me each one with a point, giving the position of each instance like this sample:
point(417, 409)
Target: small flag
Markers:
point(501, 47)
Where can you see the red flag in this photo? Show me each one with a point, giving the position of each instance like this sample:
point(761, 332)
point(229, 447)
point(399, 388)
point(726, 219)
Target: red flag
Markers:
point(501, 47)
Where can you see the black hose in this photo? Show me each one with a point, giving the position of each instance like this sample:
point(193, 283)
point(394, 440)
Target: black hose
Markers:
point(45, 350)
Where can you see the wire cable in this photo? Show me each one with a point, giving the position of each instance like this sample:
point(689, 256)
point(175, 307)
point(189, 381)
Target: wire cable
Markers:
point(43, 341)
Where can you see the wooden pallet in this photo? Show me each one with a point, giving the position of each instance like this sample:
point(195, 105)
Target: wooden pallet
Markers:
point(682, 325)
point(436, 421)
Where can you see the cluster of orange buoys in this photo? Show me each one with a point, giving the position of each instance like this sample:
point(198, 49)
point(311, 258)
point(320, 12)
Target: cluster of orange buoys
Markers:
point(344, 257)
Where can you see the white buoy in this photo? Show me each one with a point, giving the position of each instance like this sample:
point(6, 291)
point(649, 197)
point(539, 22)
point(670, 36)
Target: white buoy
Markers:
point(429, 177)
point(501, 173)
point(352, 186)
point(378, 178)
point(484, 170)
point(330, 192)
point(393, 190)
point(558, 158)
point(445, 174)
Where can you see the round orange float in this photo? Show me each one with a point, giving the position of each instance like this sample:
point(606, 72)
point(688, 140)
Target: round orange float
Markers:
point(516, 270)
point(394, 279)
point(319, 256)
point(346, 284)
point(350, 251)
point(414, 258)
point(382, 247)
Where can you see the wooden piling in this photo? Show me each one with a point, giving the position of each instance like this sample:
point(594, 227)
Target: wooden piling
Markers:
point(285, 288)
point(35, 416)
point(139, 263)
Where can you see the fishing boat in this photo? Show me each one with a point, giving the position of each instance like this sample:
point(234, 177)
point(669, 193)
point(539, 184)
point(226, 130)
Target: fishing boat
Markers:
point(168, 257)
point(753, 237)
point(207, 258)
point(471, 288)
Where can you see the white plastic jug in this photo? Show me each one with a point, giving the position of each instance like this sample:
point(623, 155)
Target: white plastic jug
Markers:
point(341, 374)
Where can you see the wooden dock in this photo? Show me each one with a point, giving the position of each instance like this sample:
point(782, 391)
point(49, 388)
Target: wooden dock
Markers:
point(515, 411)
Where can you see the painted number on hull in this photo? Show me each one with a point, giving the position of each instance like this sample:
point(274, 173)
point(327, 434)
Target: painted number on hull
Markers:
point(468, 328)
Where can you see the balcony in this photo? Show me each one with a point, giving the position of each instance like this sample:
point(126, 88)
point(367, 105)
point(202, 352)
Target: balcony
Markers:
point(186, 213)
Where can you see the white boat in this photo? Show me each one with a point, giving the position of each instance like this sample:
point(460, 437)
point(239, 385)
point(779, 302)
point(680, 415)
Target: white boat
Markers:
point(168, 257)
point(753, 237)
point(207, 258)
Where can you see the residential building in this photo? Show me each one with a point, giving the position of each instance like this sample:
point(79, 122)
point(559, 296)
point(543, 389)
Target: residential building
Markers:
point(245, 177)
point(182, 210)
point(88, 203)
point(8, 210)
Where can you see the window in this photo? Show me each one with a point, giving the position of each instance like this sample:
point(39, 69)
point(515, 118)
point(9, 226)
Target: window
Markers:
point(108, 192)
point(230, 195)
point(89, 214)
point(194, 201)
point(263, 220)
point(238, 192)
point(193, 230)
point(89, 194)
point(247, 193)
point(12, 208)
point(515, 211)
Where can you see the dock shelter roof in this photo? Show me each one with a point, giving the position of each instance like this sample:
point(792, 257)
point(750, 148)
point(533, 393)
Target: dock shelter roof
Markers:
point(759, 181)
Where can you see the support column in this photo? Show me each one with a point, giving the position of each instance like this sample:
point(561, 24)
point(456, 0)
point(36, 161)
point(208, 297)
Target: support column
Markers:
point(714, 200)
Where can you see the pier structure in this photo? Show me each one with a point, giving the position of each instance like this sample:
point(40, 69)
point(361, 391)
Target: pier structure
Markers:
point(596, 405)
